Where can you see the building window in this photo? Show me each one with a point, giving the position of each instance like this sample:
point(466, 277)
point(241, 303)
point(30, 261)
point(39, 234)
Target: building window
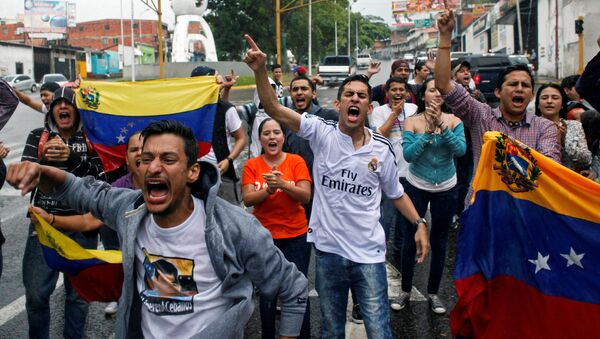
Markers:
point(135, 25)
point(107, 27)
point(5, 30)
point(104, 41)
point(80, 29)
point(116, 41)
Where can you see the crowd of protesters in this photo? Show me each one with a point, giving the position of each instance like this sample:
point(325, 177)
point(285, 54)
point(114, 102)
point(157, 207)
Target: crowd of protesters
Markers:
point(347, 184)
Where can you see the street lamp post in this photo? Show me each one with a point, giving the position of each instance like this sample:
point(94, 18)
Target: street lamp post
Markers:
point(132, 46)
point(309, 37)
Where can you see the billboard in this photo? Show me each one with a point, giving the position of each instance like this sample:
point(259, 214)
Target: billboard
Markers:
point(422, 6)
point(419, 13)
point(45, 16)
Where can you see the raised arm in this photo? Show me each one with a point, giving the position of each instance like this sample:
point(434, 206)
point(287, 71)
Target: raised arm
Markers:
point(26, 100)
point(257, 60)
point(442, 62)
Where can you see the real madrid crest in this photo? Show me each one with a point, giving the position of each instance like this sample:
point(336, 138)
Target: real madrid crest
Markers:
point(91, 97)
point(516, 165)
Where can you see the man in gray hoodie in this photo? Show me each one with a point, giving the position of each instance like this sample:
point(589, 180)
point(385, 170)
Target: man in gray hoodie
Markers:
point(189, 258)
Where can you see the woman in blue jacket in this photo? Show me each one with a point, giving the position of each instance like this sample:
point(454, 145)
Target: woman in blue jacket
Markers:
point(431, 140)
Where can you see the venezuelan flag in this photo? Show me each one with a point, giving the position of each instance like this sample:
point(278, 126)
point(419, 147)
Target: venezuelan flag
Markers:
point(528, 250)
point(113, 111)
point(96, 275)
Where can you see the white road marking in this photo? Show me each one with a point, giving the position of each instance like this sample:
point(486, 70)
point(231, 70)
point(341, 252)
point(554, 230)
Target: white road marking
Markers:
point(8, 312)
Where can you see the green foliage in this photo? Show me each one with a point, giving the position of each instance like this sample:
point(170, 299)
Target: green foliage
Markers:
point(230, 19)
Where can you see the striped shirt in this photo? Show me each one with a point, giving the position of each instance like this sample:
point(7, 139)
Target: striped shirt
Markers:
point(80, 163)
point(536, 132)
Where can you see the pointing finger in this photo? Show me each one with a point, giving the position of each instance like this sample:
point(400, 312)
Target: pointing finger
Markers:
point(251, 42)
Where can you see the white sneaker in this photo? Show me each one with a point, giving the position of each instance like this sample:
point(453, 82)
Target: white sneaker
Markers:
point(111, 308)
point(436, 304)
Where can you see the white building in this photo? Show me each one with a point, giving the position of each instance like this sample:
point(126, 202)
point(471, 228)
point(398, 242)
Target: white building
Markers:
point(15, 59)
point(556, 35)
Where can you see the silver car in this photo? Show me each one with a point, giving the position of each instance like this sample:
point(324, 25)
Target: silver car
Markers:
point(21, 82)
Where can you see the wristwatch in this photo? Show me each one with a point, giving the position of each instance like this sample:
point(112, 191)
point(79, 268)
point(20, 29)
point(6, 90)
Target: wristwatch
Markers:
point(420, 221)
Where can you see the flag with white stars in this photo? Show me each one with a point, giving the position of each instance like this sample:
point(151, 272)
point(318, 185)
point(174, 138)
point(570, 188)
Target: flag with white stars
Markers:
point(528, 249)
point(112, 112)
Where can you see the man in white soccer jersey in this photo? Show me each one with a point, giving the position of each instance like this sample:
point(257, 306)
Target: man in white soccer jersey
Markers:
point(352, 166)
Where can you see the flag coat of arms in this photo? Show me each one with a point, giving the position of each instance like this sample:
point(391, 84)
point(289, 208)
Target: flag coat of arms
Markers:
point(96, 275)
point(528, 250)
point(113, 111)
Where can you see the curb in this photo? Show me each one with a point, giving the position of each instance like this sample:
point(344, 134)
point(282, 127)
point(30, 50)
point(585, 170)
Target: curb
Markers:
point(243, 87)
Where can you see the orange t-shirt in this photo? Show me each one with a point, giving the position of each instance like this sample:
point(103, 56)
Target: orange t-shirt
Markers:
point(282, 215)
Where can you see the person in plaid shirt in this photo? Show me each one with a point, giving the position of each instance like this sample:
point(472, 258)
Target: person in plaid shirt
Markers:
point(515, 91)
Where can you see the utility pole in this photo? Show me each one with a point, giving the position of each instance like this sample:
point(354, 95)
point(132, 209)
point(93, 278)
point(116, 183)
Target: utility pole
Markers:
point(132, 46)
point(122, 49)
point(295, 4)
point(157, 8)
point(579, 31)
point(309, 37)
point(349, 8)
point(519, 27)
point(335, 30)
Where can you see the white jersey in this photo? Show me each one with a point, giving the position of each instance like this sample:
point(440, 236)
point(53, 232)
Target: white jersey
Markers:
point(181, 293)
point(379, 117)
point(348, 186)
point(232, 124)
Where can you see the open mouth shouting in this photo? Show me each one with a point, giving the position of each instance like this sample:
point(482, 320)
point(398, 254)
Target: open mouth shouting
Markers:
point(353, 113)
point(157, 190)
point(64, 118)
point(272, 146)
point(518, 101)
point(300, 102)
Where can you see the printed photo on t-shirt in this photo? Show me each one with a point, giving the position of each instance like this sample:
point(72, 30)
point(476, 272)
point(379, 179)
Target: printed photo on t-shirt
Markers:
point(169, 283)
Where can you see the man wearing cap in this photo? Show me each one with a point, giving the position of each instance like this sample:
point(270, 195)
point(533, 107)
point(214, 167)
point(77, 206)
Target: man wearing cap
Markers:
point(61, 143)
point(462, 75)
point(400, 69)
point(227, 124)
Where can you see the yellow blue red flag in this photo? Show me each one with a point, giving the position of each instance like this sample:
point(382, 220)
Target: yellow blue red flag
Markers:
point(528, 250)
point(113, 111)
point(96, 275)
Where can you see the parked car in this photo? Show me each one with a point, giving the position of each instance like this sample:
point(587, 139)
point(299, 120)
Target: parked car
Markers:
point(485, 69)
point(21, 82)
point(336, 68)
point(363, 60)
point(522, 59)
point(56, 77)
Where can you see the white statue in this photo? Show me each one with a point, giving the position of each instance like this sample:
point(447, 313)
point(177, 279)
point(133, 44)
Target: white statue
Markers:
point(184, 43)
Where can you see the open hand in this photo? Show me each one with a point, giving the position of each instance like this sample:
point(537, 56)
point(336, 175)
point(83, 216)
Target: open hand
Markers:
point(374, 68)
point(255, 58)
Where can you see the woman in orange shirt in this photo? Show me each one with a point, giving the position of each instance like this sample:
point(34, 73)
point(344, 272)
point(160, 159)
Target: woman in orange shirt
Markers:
point(276, 184)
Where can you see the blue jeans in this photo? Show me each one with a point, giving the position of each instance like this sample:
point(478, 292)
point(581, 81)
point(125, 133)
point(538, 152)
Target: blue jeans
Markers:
point(443, 206)
point(40, 280)
point(335, 276)
point(297, 251)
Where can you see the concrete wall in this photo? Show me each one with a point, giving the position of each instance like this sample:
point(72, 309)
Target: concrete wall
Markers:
point(568, 51)
point(10, 55)
point(183, 69)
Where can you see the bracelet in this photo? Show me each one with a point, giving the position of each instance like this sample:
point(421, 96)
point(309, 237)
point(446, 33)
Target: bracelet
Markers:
point(53, 218)
point(445, 47)
point(420, 221)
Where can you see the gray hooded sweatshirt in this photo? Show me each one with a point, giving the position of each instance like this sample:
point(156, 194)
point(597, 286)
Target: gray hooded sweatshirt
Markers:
point(241, 251)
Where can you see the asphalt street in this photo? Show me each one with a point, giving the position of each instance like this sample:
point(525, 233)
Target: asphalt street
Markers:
point(415, 321)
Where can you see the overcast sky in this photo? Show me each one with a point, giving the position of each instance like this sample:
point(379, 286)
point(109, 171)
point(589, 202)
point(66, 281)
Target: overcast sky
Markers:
point(95, 10)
